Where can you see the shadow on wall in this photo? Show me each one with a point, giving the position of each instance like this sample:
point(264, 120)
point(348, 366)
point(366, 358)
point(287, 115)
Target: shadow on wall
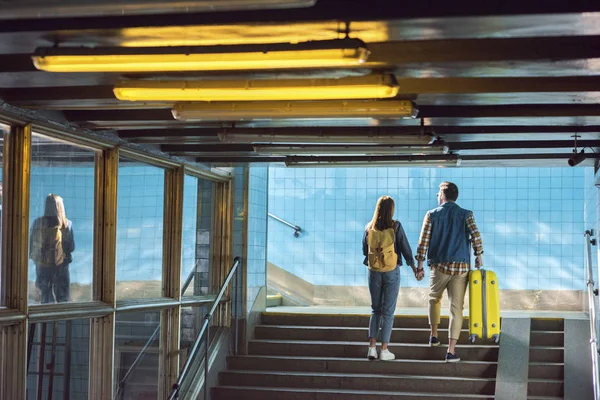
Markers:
point(298, 292)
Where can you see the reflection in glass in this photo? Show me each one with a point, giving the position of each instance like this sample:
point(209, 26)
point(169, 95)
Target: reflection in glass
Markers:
point(132, 332)
point(140, 202)
point(61, 203)
point(192, 319)
point(58, 360)
point(198, 208)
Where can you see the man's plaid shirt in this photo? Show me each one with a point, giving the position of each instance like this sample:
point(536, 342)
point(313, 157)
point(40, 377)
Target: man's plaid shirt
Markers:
point(453, 268)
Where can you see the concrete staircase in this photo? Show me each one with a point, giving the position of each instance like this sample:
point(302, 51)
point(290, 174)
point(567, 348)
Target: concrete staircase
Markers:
point(305, 356)
point(546, 359)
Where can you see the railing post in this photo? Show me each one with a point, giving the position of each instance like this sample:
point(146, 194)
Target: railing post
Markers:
point(593, 317)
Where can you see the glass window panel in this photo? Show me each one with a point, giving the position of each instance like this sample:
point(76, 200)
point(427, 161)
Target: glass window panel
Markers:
point(140, 202)
point(61, 220)
point(132, 331)
point(60, 350)
point(192, 318)
point(3, 129)
point(198, 212)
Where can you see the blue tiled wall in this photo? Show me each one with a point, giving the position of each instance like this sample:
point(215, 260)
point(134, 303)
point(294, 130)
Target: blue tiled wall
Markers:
point(140, 208)
point(531, 220)
point(257, 231)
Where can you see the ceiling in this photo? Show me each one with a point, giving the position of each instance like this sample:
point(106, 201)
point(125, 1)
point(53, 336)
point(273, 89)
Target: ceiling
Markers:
point(502, 83)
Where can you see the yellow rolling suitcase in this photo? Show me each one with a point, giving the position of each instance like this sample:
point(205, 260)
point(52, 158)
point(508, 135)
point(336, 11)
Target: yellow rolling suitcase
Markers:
point(484, 306)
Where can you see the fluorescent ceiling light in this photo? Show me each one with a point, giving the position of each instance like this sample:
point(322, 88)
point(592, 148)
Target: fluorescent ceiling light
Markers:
point(322, 54)
point(265, 138)
point(349, 150)
point(331, 163)
point(239, 111)
point(362, 87)
point(87, 8)
point(232, 34)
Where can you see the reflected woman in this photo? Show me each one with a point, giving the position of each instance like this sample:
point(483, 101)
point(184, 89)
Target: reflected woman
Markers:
point(51, 245)
point(384, 239)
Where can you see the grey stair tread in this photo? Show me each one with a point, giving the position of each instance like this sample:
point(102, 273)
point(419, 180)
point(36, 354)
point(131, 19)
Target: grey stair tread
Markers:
point(545, 380)
point(346, 359)
point(356, 392)
point(543, 364)
point(350, 343)
point(366, 376)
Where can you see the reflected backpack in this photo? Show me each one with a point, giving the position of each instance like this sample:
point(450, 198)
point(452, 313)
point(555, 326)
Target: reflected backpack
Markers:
point(382, 255)
point(46, 244)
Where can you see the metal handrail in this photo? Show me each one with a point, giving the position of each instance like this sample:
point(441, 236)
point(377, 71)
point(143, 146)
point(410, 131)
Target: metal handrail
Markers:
point(204, 331)
point(592, 294)
point(152, 338)
point(296, 228)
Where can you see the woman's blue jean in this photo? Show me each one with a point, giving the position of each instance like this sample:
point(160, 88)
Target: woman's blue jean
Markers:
point(384, 287)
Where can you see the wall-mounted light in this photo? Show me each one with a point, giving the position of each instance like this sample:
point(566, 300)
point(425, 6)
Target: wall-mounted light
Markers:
point(237, 111)
point(318, 54)
point(362, 87)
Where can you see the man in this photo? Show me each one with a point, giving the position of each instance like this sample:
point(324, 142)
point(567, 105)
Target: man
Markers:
point(444, 240)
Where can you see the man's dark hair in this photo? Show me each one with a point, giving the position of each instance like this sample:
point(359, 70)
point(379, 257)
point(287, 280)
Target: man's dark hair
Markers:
point(450, 190)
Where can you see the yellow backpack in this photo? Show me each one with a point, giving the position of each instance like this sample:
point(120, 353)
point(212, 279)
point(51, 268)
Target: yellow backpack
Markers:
point(382, 255)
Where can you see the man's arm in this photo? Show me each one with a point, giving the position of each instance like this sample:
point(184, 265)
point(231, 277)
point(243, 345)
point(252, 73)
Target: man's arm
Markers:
point(424, 239)
point(475, 240)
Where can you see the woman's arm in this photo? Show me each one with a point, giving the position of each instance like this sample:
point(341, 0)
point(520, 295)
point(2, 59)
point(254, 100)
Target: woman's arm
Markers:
point(69, 240)
point(404, 246)
point(365, 247)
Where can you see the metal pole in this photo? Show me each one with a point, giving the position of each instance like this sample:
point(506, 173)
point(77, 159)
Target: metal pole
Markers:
point(592, 312)
point(206, 363)
point(237, 307)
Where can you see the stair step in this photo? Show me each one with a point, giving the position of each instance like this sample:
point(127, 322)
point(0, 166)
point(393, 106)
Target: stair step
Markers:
point(552, 354)
point(548, 324)
point(359, 349)
point(548, 338)
point(408, 383)
point(546, 387)
point(351, 334)
point(362, 365)
point(545, 370)
point(348, 320)
point(263, 393)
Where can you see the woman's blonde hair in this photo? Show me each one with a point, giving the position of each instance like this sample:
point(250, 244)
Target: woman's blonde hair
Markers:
point(383, 215)
point(55, 207)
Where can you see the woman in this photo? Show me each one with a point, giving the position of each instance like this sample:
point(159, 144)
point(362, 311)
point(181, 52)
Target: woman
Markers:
point(383, 240)
point(50, 247)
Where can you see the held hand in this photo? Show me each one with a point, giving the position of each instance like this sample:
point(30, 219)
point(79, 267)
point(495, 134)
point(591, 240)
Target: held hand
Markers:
point(478, 262)
point(419, 274)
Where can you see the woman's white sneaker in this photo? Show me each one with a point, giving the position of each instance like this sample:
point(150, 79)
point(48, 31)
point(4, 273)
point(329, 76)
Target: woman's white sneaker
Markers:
point(372, 354)
point(386, 355)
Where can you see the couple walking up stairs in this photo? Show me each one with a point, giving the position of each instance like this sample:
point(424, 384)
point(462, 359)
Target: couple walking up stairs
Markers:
point(314, 357)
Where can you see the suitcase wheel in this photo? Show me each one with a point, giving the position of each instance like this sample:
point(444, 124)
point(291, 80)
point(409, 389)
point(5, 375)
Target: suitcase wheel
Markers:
point(472, 338)
point(496, 338)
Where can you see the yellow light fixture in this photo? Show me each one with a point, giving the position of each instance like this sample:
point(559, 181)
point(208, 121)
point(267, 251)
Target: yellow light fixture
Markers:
point(322, 54)
point(236, 34)
point(331, 162)
point(363, 87)
point(87, 8)
point(349, 150)
point(236, 111)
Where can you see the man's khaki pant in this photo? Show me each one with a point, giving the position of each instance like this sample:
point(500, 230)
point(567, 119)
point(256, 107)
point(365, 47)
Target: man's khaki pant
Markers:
point(457, 286)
